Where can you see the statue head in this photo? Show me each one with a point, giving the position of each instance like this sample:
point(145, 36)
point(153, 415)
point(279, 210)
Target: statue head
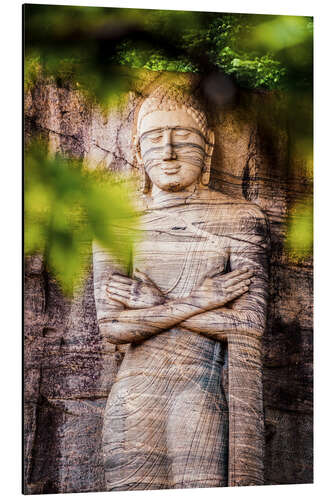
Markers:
point(173, 143)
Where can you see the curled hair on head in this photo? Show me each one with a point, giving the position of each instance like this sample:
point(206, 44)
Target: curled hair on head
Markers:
point(172, 97)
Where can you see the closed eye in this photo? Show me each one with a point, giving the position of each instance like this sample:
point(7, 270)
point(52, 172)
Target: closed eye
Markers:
point(155, 138)
point(181, 134)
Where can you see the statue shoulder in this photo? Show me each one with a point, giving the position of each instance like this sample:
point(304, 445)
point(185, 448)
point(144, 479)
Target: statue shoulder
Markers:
point(245, 209)
point(249, 218)
point(237, 207)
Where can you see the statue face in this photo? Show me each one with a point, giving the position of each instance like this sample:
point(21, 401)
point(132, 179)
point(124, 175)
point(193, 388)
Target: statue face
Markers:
point(172, 149)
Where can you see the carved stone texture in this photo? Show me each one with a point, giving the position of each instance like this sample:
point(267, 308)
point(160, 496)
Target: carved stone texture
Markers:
point(245, 135)
point(200, 281)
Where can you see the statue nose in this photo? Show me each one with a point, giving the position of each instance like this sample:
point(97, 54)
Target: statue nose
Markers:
point(169, 152)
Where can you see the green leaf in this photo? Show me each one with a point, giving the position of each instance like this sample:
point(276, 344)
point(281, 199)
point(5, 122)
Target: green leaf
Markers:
point(66, 207)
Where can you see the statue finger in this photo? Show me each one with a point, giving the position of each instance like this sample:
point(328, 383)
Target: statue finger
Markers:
point(118, 298)
point(240, 288)
point(231, 274)
point(115, 291)
point(239, 272)
point(121, 286)
point(121, 301)
point(122, 279)
point(237, 293)
point(239, 279)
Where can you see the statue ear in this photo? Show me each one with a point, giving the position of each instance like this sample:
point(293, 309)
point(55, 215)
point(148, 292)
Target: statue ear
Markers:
point(137, 150)
point(209, 147)
point(144, 179)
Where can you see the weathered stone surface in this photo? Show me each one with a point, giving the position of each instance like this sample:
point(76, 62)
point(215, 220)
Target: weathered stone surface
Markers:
point(68, 368)
point(289, 445)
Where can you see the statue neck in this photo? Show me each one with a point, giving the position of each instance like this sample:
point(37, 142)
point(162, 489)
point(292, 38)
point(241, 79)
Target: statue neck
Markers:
point(160, 196)
point(157, 198)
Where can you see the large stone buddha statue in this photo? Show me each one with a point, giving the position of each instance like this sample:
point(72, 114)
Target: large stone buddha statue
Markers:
point(195, 300)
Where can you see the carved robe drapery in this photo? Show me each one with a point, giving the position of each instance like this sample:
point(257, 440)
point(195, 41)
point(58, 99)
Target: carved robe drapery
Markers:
point(168, 423)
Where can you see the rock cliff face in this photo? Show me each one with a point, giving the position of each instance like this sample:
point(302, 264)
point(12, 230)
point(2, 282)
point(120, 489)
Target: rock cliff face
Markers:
point(69, 369)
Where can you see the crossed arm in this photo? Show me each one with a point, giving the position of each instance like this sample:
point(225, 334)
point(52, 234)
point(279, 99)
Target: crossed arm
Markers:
point(133, 309)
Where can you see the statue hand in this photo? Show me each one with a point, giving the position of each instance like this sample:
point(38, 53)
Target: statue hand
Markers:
point(216, 290)
point(139, 292)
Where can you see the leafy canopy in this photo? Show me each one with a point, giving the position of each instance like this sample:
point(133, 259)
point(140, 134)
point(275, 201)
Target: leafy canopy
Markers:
point(67, 206)
point(89, 49)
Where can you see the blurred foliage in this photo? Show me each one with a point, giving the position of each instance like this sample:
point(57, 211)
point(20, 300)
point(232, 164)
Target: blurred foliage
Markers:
point(91, 48)
point(82, 45)
point(299, 241)
point(260, 51)
point(66, 207)
point(79, 46)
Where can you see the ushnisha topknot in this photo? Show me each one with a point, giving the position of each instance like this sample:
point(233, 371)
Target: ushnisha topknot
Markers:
point(172, 98)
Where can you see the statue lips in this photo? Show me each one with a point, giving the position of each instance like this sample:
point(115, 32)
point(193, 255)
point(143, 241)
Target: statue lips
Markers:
point(170, 168)
point(171, 171)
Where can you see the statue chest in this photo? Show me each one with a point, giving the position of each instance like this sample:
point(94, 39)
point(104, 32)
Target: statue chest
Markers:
point(177, 253)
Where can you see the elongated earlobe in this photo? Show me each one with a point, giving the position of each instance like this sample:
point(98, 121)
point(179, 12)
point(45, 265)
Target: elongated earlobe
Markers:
point(145, 184)
point(210, 141)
